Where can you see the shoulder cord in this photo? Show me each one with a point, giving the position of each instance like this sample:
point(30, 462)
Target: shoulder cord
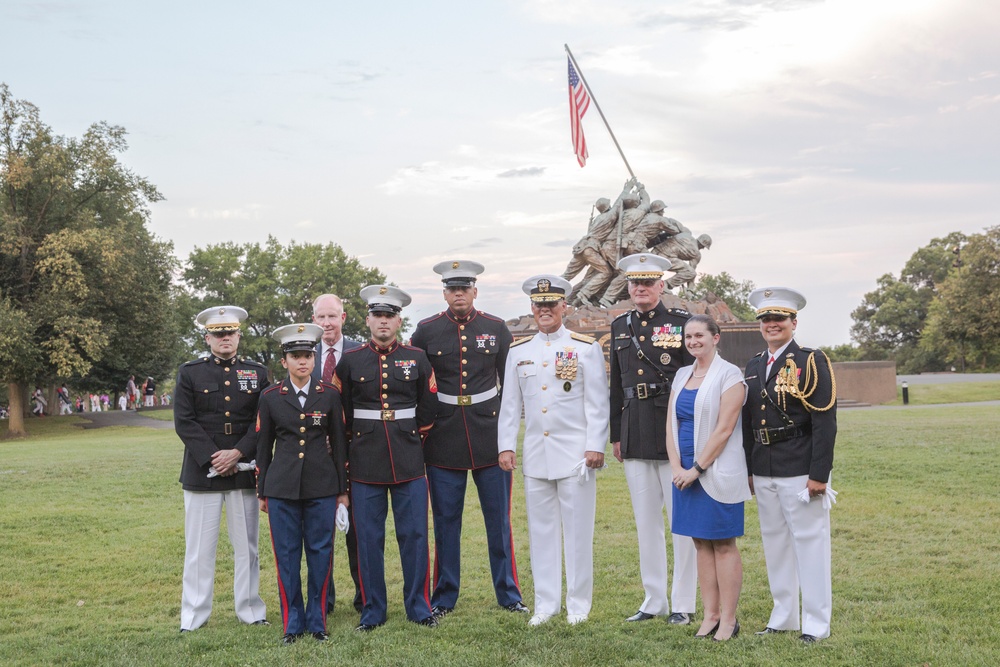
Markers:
point(812, 377)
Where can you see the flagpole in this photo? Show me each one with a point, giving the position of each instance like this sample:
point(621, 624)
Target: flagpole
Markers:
point(594, 100)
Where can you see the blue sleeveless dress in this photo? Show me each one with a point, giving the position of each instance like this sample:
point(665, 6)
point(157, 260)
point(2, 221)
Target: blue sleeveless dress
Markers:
point(695, 513)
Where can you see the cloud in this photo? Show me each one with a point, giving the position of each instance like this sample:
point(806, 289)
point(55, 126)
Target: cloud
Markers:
point(522, 172)
point(248, 212)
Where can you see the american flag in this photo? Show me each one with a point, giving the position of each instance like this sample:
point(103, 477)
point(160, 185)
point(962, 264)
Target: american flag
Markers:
point(579, 102)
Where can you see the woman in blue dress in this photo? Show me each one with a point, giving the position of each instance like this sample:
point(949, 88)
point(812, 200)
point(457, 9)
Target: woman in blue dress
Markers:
point(705, 441)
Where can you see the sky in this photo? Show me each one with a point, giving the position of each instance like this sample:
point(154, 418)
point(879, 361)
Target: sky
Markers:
point(818, 143)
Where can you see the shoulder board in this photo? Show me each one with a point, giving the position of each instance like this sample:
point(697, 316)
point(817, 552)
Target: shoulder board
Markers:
point(759, 354)
point(251, 362)
point(582, 338)
point(199, 360)
point(808, 350)
point(360, 348)
point(522, 340)
point(426, 320)
point(276, 385)
point(490, 317)
point(679, 311)
point(625, 314)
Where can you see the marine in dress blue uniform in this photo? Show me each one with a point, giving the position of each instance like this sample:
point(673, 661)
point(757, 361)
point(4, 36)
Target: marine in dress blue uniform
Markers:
point(789, 430)
point(647, 348)
point(301, 478)
point(468, 350)
point(214, 408)
point(389, 402)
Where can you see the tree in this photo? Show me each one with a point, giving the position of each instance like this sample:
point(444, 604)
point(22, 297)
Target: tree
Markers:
point(277, 284)
point(82, 281)
point(733, 292)
point(963, 323)
point(890, 320)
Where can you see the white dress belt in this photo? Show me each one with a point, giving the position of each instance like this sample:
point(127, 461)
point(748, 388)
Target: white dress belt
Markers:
point(468, 399)
point(386, 415)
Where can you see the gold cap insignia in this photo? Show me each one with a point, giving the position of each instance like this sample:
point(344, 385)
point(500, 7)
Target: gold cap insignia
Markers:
point(642, 259)
point(454, 265)
point(543, 285)
point(301, 328)
point(222, 311)
point(382, 290)
point(767, 293)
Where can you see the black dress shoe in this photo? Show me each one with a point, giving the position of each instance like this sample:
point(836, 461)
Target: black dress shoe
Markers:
point(769, 631)
point(736, 633)
point(710, 632)
point(437, 611)
point(517, 608)
point(639, 616)
point(320, 636)
point(679, 618)
point(183, 630)
point(808, 639)
point(365, 627)
point(290, 637)
point(262, 621)
point(430, 622)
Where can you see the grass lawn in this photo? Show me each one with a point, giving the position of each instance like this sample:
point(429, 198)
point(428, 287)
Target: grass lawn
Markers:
point(957, 392)
point(90, 565)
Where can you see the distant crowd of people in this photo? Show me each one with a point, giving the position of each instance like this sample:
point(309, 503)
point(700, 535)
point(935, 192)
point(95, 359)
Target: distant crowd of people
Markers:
point(133, 397)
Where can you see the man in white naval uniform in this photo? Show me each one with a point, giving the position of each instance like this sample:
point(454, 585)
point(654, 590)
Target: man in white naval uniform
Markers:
point(558, 377)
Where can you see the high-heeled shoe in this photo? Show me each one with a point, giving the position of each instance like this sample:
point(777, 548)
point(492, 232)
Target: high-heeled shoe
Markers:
point(710, 632)
point(736, 633)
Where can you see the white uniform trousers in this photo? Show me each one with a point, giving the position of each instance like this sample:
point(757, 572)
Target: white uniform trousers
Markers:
point(202, 518)
point(650, 484)
point(796, 540)
point(561, 510)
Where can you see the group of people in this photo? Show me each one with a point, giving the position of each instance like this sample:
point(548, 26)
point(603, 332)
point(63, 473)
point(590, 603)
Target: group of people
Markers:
point(355, 426)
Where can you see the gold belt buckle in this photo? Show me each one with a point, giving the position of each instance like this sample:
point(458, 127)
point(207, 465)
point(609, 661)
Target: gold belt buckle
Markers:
point(229, 428)
point(388, 415)
point(765, 439)
point(464, 400)
point(642, 390)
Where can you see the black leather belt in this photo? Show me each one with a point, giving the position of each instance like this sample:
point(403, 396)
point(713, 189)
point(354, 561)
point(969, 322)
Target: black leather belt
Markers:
point(643, 390)
point(769, 436)
point(230, 428)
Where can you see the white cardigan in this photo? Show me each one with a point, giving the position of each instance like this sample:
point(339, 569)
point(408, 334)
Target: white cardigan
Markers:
point(725, 480)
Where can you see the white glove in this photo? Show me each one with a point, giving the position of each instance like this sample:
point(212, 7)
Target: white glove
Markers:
point(343, 523)
point(240, 467)
point(583, 471)
point(829, 498)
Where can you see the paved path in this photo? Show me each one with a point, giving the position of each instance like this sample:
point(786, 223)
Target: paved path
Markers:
point(922, 407)
point(948, 378)
point(123, 418)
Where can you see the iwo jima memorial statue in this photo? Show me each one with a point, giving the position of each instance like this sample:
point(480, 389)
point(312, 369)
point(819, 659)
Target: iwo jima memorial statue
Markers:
point(633, 224)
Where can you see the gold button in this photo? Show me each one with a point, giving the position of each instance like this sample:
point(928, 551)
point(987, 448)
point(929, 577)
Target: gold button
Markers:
point(547, 343)
point(544, 387)
point(228, 398)
point(385, 405)
point(465, 349)
point(465, 361)
point(545, 364)
point(763, 422)
point(487, 351)
point(385, 386)
point(302, 442)
point(385, 365)
point(643, 323)
point(362, 379)
point(249, 391)
point(226, 369)
point(302, 429)
point(206, 391)
point(439, 353)
point(494, 413)
point(461, 327)
point(763, 407)
point(464, 386)
point(465, 374)
point(302, 416)
point(302, 455)
point(383, 357)
point(639, 371)
point(385, 396)
point(546, 434)
point(227, 383)
point(464, 337)
point(227, 413)
point(642, 338)
point(545, 410)
point(385, 375)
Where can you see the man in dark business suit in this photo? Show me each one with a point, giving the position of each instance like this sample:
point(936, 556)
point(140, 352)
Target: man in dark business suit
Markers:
point(328, 312)
point(789, 429)
point(301, 478)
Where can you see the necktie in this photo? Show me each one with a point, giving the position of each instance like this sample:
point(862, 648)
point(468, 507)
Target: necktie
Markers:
point(329, 364)
point(302, 398)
